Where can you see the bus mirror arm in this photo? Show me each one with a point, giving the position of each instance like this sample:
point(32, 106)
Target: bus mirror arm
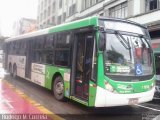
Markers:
point(100, 28)
point(150, 50)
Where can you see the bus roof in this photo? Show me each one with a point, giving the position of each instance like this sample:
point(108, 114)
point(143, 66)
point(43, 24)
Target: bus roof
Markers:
point(123, 20)
point(90, 21)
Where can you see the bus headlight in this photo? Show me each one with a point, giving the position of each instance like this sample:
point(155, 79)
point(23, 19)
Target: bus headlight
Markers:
point(109, 87)
point(152, 85)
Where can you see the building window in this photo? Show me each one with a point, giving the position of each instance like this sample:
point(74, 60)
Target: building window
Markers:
point(49, 2)
point(152, 5)
point(60, 3)
point(53, 7)
point(49, 11)
point(119, 11)
point(64, 16)
point(101, 14)
point(98, 1)
point(45, 14)
point(53, 20)
point(42, 5)
point(88, 3)
point(92, 2)
point(41, 17)
point(48, 21)
point(59, 19)
point(72, 9)
point(45, 3)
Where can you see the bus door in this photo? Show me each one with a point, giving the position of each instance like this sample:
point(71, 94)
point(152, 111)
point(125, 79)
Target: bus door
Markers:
point(83, 64)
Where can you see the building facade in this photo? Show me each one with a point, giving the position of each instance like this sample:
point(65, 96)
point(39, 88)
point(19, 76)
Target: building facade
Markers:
point(24, 25)
point(54, 12)
point(0, 29)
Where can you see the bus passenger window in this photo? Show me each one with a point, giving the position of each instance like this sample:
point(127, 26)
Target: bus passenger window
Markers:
point(49, 42)
point(61, 57)
point(49, 59)
point(62, 50)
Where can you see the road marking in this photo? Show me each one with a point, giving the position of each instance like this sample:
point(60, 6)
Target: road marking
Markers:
point(52, 115)
point(7, 103)
point(148, 108)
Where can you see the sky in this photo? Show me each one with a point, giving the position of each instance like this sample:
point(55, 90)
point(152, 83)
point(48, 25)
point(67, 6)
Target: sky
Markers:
point(12, 10)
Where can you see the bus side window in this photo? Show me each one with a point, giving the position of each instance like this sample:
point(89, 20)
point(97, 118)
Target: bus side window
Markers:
point(49, 42)
point(38, 43)
point(43, 50)
point(62, 49)
point(48, 49)
point(49, 58)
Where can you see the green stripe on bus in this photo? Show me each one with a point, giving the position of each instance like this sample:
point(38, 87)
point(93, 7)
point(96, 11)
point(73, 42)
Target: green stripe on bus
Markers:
point(74, 25)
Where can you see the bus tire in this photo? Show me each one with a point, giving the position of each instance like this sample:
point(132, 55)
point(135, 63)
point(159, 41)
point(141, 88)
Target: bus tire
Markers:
point(14, 71)
point(58, 88)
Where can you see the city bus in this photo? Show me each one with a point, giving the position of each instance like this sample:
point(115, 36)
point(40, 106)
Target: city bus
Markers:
point(96, 61)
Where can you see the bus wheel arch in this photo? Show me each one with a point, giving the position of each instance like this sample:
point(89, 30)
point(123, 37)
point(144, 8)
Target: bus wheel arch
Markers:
point(14, 70)
point(58, 87)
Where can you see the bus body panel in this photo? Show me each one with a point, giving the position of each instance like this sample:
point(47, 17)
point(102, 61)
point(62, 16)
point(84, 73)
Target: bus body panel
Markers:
point(38, 74)
point(132, 87)
point(20, 62)
point(113, 99)
point(74, 25)
point(92, 93)
point(64, 72)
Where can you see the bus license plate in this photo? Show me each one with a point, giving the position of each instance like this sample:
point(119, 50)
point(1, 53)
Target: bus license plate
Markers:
point(133, 101)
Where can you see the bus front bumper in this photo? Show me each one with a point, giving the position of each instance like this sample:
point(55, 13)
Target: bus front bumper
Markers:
point(105, 98)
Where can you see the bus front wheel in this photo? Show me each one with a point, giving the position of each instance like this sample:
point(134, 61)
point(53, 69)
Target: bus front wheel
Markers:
point(58, 88)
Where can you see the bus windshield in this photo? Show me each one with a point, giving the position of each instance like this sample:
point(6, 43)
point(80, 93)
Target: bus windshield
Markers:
point(128, 54)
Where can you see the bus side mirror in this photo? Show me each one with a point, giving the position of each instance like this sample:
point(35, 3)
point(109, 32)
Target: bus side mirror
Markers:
point(101, 43)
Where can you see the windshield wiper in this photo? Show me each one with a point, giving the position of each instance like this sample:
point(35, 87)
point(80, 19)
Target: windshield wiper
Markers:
point(124, 42)
point(146, 42)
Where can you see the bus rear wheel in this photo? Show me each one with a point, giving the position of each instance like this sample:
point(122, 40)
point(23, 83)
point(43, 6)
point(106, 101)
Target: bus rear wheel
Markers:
point(10, 70)
point(14, 71)
point(58, 88)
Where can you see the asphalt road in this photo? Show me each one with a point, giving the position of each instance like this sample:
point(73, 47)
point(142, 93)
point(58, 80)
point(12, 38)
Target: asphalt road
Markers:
point(71, 110)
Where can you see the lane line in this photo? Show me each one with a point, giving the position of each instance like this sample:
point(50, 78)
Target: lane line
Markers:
point(148, 108)
point(7, 103)
point(34, 103)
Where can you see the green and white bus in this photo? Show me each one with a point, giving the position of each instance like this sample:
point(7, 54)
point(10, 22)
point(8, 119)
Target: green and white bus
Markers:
point(98, 62)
